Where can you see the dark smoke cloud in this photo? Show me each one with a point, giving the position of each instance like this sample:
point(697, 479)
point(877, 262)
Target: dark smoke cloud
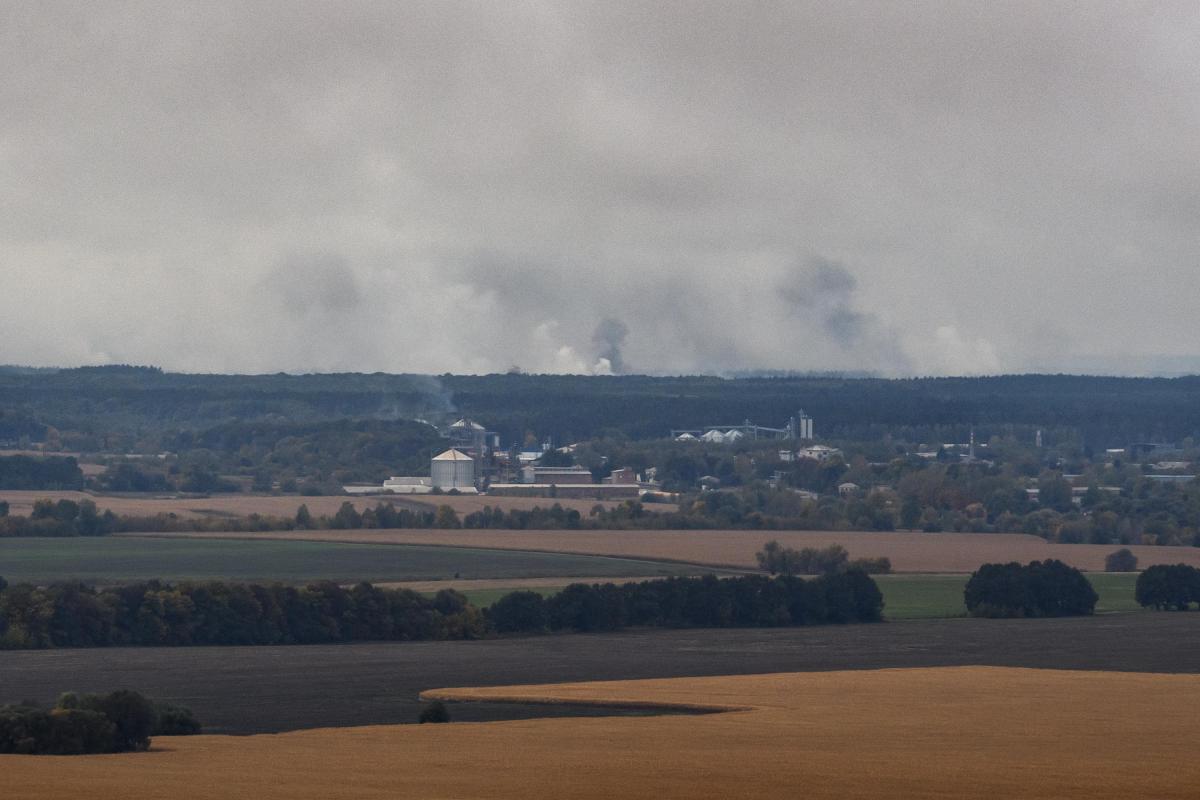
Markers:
point(609, 338)
point(824, 291)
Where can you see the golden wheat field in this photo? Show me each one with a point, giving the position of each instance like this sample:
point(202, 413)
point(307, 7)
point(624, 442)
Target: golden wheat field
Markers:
point(240, 505)
point(920, 733)
point(909, 552)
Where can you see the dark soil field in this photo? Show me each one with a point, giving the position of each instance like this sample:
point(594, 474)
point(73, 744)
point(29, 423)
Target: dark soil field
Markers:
point(267, 689)
point(108, 560)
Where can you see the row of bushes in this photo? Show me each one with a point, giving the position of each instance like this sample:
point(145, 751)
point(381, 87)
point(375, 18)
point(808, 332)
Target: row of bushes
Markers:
point(117, 722)
point(155, 613)
point(708, 602)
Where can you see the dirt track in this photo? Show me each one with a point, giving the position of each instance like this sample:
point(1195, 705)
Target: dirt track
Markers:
point(965, 732)
point(909, 552)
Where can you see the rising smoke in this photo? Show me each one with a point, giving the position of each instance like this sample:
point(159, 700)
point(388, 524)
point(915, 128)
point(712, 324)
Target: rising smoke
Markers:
point(609, 338)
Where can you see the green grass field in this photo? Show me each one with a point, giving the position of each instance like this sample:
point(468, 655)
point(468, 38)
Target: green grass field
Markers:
point(115, 560)
point(938, 596)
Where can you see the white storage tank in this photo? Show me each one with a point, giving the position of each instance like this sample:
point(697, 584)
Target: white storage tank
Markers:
point(453, 469)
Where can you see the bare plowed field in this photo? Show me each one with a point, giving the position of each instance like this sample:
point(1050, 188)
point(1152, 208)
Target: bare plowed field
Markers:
point(909, 552)
point(272, 689)
point(965, 732)
point(241, 505)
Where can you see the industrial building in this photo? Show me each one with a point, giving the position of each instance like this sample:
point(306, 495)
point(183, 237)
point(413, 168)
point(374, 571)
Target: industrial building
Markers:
point(798, 427)
point(557, 475)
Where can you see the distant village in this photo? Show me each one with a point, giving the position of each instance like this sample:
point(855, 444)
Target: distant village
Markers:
point(474, 462)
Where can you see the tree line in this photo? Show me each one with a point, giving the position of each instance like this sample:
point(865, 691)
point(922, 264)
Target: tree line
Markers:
point(707, 602)
point(211, 612)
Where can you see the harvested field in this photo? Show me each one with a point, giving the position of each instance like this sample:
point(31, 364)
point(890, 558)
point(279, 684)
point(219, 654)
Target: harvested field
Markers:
point(110, 560)
point(241, 505)
point(909, 552)
point(270, 689)
point(965, 732)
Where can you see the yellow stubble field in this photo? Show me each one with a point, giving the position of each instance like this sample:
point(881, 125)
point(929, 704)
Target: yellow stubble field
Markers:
point(920, 733)
point(240, 505)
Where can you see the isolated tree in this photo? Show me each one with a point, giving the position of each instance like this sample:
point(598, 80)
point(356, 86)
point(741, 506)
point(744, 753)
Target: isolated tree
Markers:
point(1122, 560)
point(434, 711)
point(1168, 586)
point(304, 517)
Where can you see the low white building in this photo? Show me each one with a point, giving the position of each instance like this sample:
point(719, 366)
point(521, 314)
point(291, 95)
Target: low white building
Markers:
point(408, 485)
point(818, 452)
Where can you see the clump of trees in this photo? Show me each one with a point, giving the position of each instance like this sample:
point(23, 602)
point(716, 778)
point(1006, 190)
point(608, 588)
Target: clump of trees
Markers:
point(779, 560)
point(61, 518)
point(118, 722)
point(709, 602)
point(1122, 560)
point(36, 472)
point(1168, 586)
point(1038, 589)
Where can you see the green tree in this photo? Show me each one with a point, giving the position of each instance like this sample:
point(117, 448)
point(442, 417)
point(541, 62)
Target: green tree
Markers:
point(1122, 560)
point(446, 518)
point(910, 512)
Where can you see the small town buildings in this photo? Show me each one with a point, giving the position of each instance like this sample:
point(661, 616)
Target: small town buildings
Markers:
point(622, 475)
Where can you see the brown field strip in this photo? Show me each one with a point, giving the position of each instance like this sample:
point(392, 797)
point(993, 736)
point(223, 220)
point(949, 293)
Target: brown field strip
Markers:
point(909, 552)
point(21, 502)
point(919, 733)
point(505, 583)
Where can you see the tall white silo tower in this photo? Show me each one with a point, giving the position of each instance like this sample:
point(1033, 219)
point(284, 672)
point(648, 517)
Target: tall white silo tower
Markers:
point(452, 469)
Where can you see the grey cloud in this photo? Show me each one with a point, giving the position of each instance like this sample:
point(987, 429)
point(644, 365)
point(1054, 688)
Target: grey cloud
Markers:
point(473, 185)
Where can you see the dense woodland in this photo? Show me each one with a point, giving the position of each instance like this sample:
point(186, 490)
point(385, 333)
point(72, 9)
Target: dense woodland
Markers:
point(901, 442)
point(142, 409)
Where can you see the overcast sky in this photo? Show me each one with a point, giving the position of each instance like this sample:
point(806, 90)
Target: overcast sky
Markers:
point(906, 188)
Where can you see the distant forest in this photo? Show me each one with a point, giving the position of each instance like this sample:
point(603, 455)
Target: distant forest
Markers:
point(142, 409)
